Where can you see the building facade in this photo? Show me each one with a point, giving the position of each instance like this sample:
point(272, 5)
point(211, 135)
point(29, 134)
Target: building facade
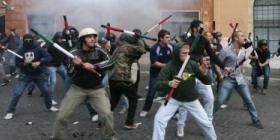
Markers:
point(259, 17)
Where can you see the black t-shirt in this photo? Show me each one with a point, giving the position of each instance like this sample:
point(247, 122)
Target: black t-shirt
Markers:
point(263, 55)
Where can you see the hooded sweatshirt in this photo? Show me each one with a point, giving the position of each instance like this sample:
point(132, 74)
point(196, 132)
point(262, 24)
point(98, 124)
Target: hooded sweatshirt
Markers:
point(33, 53)
point(186, 91)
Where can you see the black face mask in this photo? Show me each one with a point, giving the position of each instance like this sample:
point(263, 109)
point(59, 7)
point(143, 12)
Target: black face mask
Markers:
point(28, 42)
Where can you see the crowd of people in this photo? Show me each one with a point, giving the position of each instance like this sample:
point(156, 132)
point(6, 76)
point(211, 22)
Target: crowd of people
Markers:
point(105, 71)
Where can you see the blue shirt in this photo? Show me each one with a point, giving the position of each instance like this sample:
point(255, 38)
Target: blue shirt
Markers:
point(231, 58)
point(159, 54)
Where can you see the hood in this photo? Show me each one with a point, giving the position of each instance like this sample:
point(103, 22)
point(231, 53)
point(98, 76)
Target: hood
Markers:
point(128, 38)
point(175, 57)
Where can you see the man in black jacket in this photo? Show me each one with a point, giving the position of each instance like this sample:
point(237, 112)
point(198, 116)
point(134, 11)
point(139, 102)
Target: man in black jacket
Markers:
point(56, 65)
point(86, 85)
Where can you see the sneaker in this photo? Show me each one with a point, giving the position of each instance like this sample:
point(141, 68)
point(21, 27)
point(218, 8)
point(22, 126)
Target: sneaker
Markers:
point(142, 99)
point(16, 76)
point(180, 132)
point(223, 106)
point(94, 118)
point(54, 102)
point(123, 110)
point(258, 124)
point(9, 116)
point(5, 82)
point(53, 109)
point(13, 74)
point(147, 88)
point(158, 99)
point(132, 126)
point(143, 113)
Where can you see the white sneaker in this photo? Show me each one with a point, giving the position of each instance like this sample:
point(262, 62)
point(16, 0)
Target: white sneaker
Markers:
point(147, 88)
point(54, 102)
point(53, 109)
point(9, 116)
point(123, 110)
point(223, 106)
point(158, 99)
point(143, 113)
point(180, 132)
point(94, 118)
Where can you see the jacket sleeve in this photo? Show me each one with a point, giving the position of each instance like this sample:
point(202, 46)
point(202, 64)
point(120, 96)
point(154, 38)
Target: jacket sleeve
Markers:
point(165, 75)
point(45, 56)
point(213, 57)
point(106, 63)
point(205, 79)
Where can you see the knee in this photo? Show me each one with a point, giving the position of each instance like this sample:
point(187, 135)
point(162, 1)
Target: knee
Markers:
point(159, 121)
point(61, 119)
point(208, 99)
point(106, 112)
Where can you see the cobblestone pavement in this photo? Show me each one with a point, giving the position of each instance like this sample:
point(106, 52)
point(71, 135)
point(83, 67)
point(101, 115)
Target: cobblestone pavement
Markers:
point(232, 123)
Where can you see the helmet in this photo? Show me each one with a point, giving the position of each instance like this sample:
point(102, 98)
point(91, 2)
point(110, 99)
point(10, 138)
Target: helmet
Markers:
point(72, 31)
point(58, 35)
point(87, 31)
point(262, 43)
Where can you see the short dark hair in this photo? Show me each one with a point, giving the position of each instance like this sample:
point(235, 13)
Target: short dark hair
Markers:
point(162, 33)
point(195, 24)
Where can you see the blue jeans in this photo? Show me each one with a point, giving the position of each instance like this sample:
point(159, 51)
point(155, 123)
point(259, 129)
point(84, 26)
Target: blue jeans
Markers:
point(52, 78)
point(124, 101)
point(151, 95)
point(225, 88)
point(265, 71)
point(40, 80)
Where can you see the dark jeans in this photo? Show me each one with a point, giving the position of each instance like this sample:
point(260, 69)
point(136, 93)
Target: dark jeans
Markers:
point(255, 74)
point(40, 80)
point(151, 94)
point(117, 88)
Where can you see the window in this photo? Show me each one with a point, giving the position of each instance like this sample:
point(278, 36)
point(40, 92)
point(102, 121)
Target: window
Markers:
point(180, 21)
point(267, 21)
point(42, 23)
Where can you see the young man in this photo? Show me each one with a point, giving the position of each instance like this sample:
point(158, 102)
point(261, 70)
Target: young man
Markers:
point(87, 86)
point(201, 50)
point(3, 75)
point(231, 57)
point(160, 54)
point(13, 43)
point(32, 69)
point(261, 66)
point(185, 95)
point(129, 49)
point(56, 66)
